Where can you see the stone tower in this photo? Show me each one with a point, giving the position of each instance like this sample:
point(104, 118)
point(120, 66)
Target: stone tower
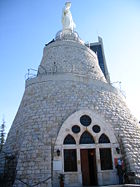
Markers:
point(70, 121)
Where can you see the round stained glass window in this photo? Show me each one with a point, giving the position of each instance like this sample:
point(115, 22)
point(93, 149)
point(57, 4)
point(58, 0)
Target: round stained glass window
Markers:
point(85, 120)
point(96, 128)
point(76, 129)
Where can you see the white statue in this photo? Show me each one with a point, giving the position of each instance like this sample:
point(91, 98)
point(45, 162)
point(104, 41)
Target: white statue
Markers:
point(67, 21)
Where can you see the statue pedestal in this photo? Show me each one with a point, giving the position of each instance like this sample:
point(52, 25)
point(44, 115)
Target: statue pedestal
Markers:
point(68, 34)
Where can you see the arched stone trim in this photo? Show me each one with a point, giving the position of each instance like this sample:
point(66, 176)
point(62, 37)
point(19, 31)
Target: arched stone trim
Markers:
point(74, 119)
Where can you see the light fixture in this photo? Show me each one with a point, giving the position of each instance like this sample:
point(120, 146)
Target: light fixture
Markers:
point(58, 152)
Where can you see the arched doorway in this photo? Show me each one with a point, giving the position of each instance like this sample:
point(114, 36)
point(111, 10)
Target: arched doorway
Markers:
point(88, 150)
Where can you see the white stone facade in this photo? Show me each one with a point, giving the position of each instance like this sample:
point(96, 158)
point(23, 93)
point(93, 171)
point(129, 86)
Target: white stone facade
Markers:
point(69, 84)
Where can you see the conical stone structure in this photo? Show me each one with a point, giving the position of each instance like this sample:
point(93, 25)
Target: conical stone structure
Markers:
point(69, 115)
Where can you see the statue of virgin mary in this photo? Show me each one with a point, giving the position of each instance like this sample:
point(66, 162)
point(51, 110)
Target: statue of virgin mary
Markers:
point(67, 21)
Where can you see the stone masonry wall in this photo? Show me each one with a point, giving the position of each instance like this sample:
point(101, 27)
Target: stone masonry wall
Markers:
point(70, 57)
point(46, 105)
point(52, 96)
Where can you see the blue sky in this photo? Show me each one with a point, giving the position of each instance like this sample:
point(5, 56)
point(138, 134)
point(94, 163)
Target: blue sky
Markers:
point(27, 25)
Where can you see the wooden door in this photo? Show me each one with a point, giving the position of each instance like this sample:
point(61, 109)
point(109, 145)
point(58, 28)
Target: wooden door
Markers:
point(92, 166)
point(88, 167)
point(85, 167)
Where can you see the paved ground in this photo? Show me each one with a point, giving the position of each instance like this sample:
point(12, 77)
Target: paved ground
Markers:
point(123, 185)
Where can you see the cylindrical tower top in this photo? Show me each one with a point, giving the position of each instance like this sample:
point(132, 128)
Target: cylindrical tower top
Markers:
point(67, 54)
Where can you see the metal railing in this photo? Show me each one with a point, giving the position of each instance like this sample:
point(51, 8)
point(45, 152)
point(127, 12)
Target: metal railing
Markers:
point(30, 74)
